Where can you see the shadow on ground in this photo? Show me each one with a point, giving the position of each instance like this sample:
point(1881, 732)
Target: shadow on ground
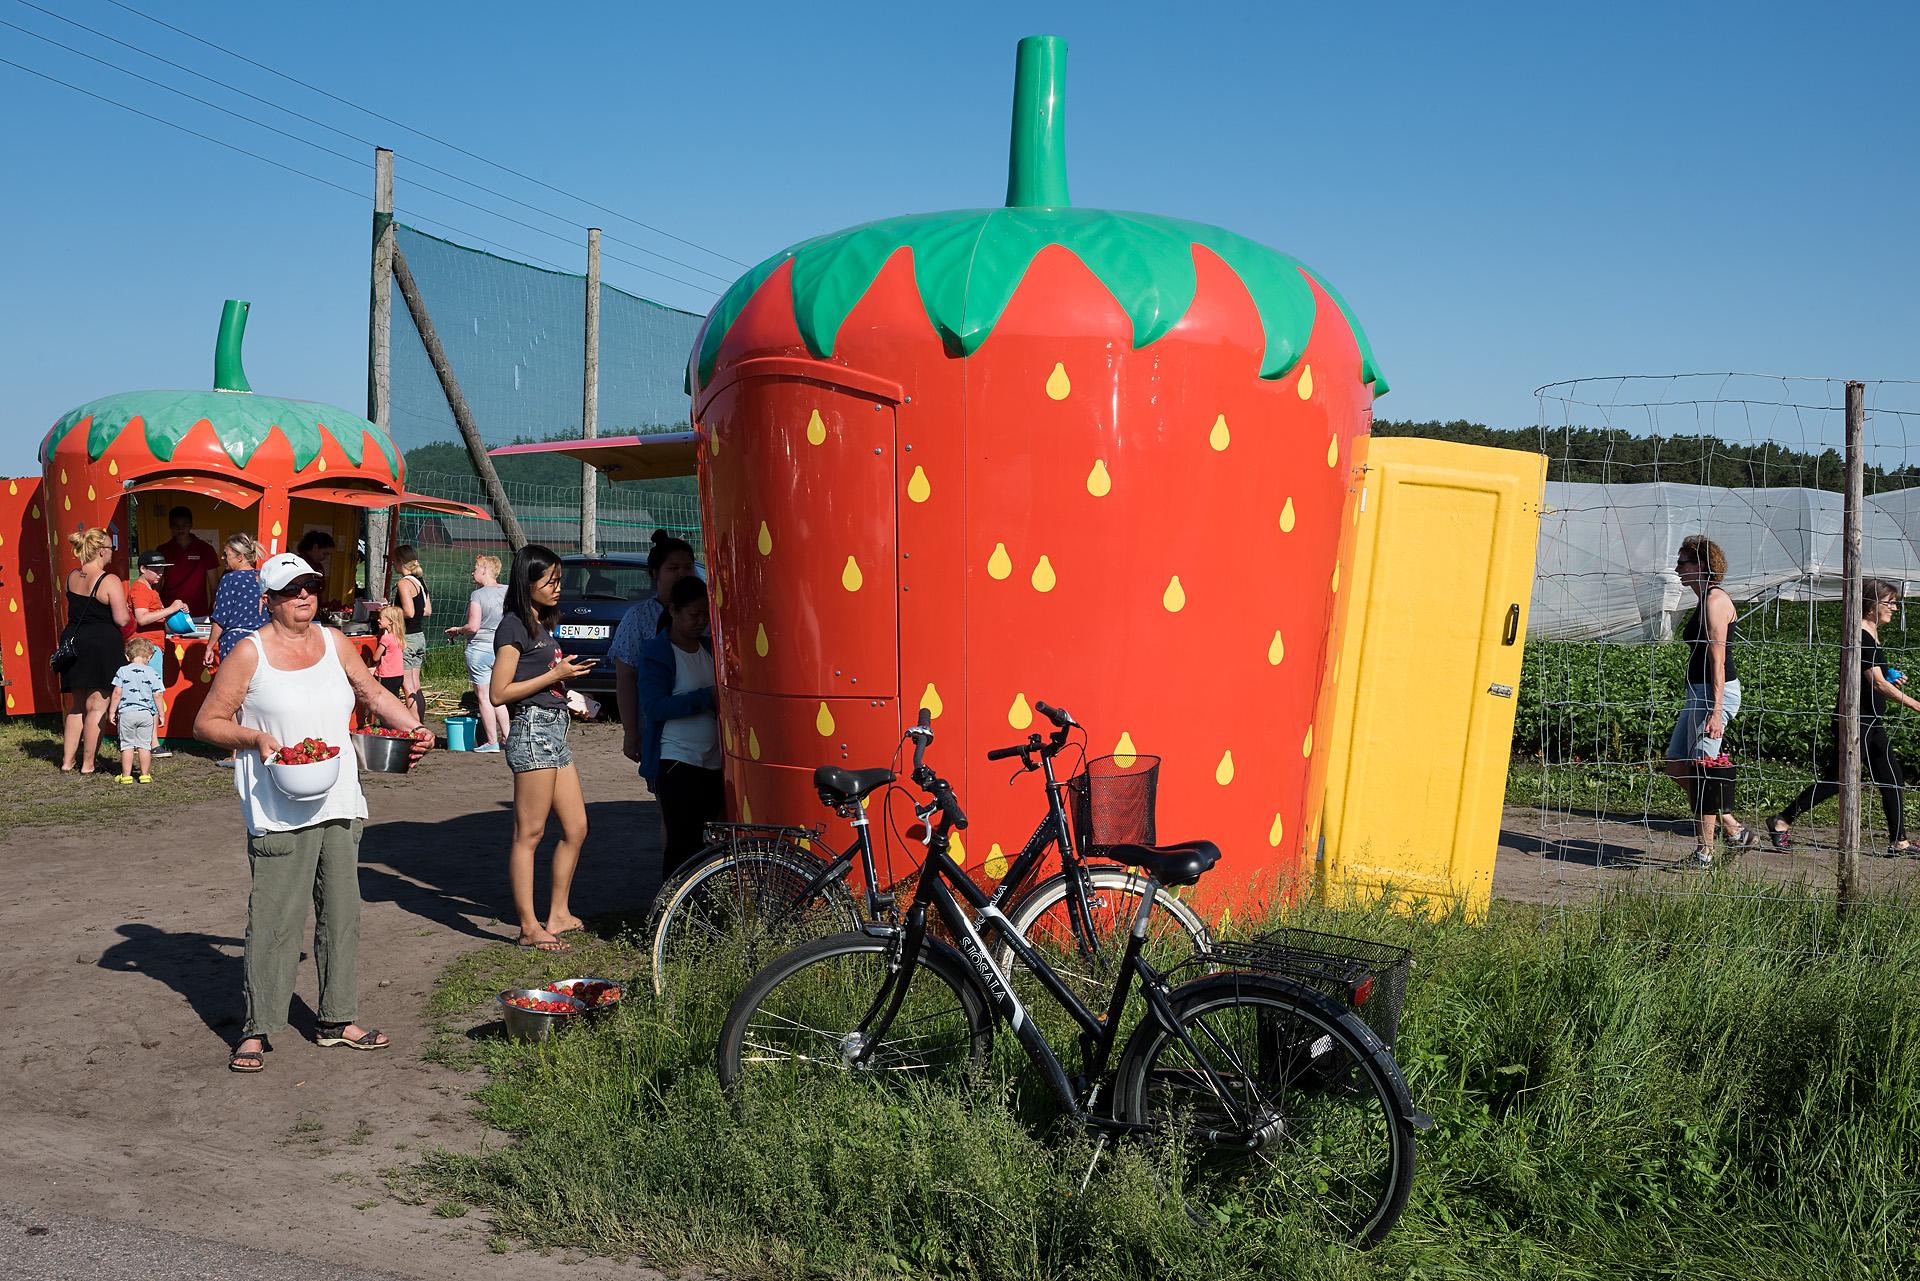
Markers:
point(453, 873)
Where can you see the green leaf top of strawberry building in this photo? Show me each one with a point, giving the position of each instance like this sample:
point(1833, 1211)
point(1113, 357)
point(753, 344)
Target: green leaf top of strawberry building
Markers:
point(967, 263)
point(240, 418)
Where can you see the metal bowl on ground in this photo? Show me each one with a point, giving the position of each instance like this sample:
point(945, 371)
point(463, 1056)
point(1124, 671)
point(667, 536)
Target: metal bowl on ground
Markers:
point(534, 1025)
point(381, 755)
point(573, 988)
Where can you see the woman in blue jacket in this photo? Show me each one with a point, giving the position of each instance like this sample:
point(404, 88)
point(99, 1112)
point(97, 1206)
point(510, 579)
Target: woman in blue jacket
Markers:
point(680, 750)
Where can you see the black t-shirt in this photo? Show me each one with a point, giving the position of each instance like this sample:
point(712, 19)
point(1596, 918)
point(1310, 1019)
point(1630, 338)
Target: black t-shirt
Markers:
point(1872, 701)
point(537, 655)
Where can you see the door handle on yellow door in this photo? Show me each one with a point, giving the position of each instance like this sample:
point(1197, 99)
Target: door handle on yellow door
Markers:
point(1512, 632)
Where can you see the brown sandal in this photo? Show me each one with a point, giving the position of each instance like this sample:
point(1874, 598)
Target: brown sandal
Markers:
point(336, 1034)
point(249, 1060)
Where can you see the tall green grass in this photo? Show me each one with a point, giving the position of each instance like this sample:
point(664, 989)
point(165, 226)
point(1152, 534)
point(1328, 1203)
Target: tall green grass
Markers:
point(1720, 1083)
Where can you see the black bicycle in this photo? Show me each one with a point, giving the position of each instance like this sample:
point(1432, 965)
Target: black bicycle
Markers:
point(758, 890)
point(1281, 1096)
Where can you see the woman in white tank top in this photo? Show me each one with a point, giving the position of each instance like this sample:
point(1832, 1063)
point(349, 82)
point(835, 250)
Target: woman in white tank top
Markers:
point(293, 680)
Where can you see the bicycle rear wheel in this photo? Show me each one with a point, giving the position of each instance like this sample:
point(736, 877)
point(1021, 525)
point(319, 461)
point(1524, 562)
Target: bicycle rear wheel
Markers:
point(802, 1015)
point(1330, 1141)
point(1174, 932)
point(744, 903)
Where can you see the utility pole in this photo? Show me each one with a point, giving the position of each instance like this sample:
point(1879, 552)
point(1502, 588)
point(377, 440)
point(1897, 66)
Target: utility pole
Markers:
point(590, 402)
point(380, 356)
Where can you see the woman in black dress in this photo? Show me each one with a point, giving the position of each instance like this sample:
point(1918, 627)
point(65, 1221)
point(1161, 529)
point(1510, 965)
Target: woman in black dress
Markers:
point(1879, 601)
point(96, 611)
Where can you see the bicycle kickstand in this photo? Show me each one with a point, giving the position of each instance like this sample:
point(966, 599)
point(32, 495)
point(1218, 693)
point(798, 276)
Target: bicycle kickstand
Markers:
point(1099, 1148)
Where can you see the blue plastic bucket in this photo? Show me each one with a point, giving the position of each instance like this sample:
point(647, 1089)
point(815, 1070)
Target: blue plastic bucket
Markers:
point(460, 732)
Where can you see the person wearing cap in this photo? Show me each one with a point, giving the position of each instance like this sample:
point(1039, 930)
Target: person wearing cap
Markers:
point(149, 623)
point(289, 681)
point(150, 613)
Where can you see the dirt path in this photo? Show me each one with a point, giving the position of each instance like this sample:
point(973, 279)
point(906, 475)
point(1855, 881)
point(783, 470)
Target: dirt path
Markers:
point(1569, 856)
point(121, 993)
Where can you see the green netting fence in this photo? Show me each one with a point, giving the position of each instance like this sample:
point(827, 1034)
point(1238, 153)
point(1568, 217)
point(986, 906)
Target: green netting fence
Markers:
point(515, 336)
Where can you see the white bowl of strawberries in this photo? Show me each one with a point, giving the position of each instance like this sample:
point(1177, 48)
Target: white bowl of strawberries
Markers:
point(307, 770)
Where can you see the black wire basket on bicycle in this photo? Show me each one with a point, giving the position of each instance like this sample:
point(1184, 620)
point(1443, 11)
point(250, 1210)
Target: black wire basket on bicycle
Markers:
point(1367, 977)
point(1113, 802)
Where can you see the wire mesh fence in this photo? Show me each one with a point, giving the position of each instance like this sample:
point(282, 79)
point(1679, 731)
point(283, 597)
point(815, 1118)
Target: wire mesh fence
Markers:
point(1637, 466)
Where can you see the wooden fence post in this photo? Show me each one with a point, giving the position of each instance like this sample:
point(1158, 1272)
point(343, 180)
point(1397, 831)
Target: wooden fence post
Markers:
point(1848, 748)
point(457, 402)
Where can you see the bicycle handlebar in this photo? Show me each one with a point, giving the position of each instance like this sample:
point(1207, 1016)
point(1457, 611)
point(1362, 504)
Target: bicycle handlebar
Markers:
point(1057, 715)
point(1002, 753)
point(922, 736)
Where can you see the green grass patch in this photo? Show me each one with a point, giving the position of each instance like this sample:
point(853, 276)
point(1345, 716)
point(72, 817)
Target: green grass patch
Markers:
point(1706, 1084)
point(34, 793)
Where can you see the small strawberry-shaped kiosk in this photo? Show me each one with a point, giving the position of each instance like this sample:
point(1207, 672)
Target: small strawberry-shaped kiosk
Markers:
point(239, 461)
point(971, 460)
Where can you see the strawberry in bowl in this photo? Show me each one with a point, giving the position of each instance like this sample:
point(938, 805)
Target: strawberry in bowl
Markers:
point(307, 770)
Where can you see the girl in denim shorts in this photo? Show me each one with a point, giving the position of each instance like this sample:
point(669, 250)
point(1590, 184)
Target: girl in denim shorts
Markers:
point(529, 679)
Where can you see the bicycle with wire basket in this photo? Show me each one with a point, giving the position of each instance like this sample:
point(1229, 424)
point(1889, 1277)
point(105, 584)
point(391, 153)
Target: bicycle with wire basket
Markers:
point(1265, 1065)
point(758, 890)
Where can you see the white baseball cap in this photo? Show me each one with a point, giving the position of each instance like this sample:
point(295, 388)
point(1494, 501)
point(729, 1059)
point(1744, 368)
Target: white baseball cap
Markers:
point(278, 571)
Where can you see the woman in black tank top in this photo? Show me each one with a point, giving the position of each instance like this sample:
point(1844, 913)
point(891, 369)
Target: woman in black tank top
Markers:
point(1713, 699)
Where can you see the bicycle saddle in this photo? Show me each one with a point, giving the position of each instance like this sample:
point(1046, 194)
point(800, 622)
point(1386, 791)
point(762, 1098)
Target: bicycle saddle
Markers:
point(1181, 864)
point(844, 786)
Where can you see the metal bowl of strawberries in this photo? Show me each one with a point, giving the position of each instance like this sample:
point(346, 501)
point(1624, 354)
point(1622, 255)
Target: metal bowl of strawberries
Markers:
point(535, 1014)
point(383, 751)
point(600, 996)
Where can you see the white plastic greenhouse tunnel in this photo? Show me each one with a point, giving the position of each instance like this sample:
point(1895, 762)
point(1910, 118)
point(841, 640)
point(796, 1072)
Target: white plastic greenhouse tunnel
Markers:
point(1604, 569)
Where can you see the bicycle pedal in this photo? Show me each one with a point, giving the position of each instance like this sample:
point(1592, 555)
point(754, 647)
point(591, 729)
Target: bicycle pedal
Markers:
point(1420, 1120)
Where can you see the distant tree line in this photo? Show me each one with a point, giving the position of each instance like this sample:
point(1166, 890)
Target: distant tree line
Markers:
point(449, 458)
point(1601, 455)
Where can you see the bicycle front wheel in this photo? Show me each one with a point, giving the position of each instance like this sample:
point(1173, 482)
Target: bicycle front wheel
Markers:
point(1281, 1105)
point(813, 1012)
point(744, 903)
point(1089, 965)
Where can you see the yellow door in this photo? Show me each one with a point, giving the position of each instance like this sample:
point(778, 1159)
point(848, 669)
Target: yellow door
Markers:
point(1423, 717)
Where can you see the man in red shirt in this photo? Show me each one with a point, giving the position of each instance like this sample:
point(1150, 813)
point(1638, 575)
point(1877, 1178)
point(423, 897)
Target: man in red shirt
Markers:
point(191, 561)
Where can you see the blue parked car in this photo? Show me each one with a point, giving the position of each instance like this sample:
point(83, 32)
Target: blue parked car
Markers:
point(595, 592)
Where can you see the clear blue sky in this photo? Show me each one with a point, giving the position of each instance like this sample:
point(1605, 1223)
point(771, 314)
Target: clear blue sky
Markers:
point(1506, 196)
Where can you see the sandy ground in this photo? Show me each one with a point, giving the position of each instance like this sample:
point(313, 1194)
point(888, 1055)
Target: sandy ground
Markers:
point(121, 995)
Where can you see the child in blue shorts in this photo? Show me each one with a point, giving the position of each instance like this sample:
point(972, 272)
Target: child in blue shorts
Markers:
point(134, 708)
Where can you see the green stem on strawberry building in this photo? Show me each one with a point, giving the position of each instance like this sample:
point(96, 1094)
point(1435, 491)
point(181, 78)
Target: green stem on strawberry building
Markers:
point(228, 373)
point(967, 263)
point(1037, 155)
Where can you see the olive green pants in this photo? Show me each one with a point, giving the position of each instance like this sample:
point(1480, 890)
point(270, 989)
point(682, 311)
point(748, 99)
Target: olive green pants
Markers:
point(320, 864)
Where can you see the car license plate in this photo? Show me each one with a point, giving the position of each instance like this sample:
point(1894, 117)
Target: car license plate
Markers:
point(583, 631)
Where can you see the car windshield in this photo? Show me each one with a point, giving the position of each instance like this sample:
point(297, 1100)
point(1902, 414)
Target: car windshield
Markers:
point(604, 580)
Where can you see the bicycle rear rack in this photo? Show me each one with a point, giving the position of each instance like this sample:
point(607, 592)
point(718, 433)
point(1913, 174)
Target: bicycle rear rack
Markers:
point(1366, 977)
point(728, 833)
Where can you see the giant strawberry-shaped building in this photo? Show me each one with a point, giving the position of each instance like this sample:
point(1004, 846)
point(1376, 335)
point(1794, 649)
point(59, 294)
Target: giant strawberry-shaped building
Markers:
point(239, 461)
point(971, 460)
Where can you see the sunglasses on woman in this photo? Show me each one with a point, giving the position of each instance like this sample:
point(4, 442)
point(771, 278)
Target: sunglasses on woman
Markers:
point(299, 587)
